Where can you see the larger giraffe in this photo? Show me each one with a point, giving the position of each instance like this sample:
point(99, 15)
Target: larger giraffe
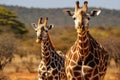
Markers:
point(52, 64)
point(86, 59)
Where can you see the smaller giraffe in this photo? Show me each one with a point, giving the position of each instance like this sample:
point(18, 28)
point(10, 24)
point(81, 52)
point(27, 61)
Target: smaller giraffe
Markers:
point(86, 59)
point(51, 66)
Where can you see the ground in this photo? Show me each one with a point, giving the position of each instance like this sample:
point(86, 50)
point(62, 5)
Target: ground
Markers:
point(22, 76)
point(23, 73)
point(33, 76)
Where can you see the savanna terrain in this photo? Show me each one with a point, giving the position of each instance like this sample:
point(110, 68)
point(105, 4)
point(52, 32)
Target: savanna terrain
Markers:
point(26, 58)
point(21, 54)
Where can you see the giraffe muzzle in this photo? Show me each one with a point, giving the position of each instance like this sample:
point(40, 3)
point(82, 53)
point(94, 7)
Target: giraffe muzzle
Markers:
point(38, 41)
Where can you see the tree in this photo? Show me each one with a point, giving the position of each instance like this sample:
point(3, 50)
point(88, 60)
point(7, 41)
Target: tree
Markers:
point(9, 19)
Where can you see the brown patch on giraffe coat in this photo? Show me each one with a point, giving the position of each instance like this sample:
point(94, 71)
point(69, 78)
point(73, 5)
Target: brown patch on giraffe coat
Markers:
point(80, 63)
point(86, 43)
point(96, 61)
point(75, 57)
point(50, 78)
point(56, 78)
point(72, 63)
point(95, 71)
point(54, 72)
point(84, 37)
point(80, 38)
point(74, 48)
point(77, 68)
point(46, 54)
point(95, 78)
point(45, 49)
point(81, 51)
point(73, 78)
point(70, 55)
point(79, 78)
point(53, 65)
point(76, 73)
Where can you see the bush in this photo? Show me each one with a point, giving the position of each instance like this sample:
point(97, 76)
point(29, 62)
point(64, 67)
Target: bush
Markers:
point(7, 47)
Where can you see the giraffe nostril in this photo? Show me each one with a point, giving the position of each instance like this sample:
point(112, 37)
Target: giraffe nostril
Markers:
point(88, 18)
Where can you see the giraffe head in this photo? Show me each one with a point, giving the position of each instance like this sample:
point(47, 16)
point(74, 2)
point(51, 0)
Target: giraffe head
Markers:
point(80, 16)
point(41, 29)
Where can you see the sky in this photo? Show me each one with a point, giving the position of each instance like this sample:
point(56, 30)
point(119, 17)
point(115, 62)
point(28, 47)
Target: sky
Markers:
point(109, 4)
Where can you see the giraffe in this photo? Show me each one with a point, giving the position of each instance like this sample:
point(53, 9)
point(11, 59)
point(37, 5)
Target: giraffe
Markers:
point(51, 66)
point(86, 59)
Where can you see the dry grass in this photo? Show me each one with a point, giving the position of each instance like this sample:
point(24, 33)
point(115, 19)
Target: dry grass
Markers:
point(113, 72)
point(24, 68)
point(23, 76)
point(26, 59)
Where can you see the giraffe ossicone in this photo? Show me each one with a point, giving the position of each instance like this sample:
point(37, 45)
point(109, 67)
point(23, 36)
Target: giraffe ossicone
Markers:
point(51, 66)
point(86, 59)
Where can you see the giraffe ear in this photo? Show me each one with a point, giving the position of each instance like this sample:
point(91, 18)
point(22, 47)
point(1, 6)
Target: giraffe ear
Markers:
point(69, 12)
point(95, 12)
point(34, 25)
point(50, 26)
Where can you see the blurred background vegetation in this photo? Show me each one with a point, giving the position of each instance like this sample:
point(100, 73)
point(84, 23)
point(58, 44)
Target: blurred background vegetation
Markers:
point(20, 54)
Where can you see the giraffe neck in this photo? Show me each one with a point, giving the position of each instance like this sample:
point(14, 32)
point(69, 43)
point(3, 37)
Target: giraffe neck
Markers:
point(47, 48)
point(83, 42)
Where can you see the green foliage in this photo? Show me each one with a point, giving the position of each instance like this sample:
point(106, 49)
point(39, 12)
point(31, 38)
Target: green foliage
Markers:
point(9, 19)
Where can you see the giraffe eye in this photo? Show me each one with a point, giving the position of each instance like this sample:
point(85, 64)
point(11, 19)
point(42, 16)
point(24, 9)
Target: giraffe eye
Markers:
point(74, 18)
point(35, 30)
